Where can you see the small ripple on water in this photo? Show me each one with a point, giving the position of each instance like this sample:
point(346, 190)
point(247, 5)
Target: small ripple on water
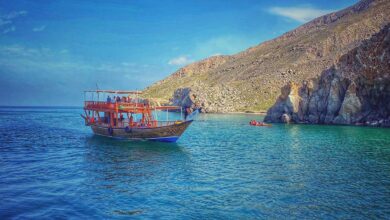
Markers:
point(128, 212)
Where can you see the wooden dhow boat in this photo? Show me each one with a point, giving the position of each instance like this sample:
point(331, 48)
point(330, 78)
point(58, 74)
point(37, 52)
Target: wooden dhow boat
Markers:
point(126, 116)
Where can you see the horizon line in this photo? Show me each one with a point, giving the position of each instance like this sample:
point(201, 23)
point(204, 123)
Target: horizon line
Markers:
point(39, 106)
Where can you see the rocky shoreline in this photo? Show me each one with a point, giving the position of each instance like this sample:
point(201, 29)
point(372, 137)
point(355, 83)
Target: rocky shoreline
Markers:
point(355, 91)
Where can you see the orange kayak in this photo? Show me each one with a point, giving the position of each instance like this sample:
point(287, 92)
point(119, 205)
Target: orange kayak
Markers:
point(259, 123)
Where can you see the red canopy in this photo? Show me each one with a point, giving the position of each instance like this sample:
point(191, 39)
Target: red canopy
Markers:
point(115, 91)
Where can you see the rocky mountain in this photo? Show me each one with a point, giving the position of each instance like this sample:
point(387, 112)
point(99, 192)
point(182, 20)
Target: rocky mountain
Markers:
point(356, 90)
point(251, 80)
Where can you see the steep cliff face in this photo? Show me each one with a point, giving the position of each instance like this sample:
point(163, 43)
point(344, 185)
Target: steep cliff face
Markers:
point(356, 90)
point(250, 80)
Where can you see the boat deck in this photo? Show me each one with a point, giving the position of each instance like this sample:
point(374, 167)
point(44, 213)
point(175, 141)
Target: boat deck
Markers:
point(125, 123)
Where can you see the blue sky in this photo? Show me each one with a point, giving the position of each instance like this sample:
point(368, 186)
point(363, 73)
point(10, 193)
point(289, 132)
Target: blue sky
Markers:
point(50, 51)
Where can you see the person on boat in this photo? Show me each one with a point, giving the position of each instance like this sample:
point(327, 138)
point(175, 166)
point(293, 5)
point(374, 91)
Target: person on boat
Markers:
point(120, 120)
point(118, 99)
point(108, 99)
point(106, 118)
point(187, 112)
point(114, 99)
point(131, 120)
point(146, 102)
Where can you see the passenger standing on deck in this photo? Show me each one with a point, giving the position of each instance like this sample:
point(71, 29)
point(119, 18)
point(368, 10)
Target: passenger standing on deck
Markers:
point(108, 99)
point(187, 111)
point(131, 120)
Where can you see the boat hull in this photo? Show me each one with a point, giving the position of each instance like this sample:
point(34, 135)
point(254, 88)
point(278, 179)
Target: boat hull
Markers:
point(169, 133)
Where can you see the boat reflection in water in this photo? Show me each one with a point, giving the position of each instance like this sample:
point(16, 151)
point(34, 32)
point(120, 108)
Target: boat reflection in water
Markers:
point(118, 170)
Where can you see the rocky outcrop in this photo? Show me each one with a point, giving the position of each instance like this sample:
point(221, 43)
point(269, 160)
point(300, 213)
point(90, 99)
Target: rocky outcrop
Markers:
point(256, 74)
point(207, 100)
point(356, 90)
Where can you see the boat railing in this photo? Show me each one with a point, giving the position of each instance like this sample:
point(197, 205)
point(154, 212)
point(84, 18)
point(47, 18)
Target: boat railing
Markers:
point(112, 105)
point(137, 124)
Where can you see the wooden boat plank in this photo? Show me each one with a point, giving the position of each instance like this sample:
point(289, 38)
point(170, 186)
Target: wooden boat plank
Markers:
point(168, 133)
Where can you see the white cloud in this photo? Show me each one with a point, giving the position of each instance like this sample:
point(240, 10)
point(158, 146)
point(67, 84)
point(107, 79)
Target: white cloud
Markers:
point(41, 75)
point(14, 14)
point(128, 64)
point(25, 59)
point(7, 19)
point(301, 14)
point(9, 29)
point(50, 73)
point(4, 22)
point(40, 28)
point(215, 46)
point(18, 51)
point(179, 61)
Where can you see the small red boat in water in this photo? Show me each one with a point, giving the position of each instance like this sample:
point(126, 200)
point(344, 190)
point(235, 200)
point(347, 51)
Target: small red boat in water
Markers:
point(259, 123)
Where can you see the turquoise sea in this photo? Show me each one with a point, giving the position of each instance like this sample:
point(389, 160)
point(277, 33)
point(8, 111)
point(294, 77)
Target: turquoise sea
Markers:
point(53, 167)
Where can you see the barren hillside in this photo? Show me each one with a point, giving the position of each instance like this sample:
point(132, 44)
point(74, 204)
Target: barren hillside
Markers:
point(251, 80)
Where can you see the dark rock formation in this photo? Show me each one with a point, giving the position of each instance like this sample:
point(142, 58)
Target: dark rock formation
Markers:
point(183, 97)
point(356, 90)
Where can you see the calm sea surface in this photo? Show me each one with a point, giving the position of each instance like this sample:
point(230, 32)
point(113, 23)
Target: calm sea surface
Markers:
point(52, 166)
